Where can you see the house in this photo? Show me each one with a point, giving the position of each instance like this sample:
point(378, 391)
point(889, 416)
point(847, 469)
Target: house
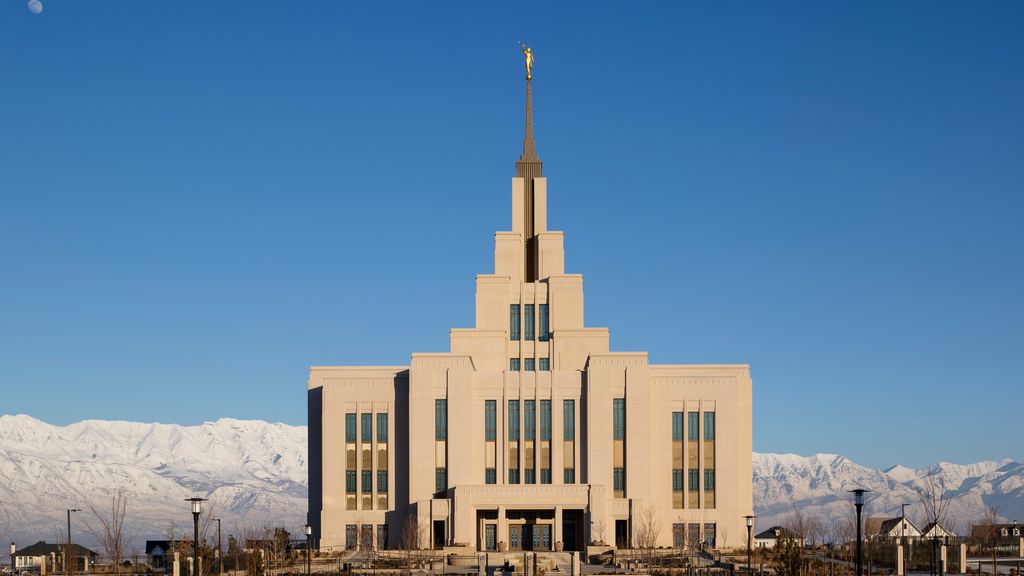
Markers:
point(1005, 534)
point(934, 530)
point(890, 529)
point(160, 553)
point(48, 558)
point(769, 537)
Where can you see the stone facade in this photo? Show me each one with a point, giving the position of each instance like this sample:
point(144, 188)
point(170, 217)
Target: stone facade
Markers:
point(530, 433)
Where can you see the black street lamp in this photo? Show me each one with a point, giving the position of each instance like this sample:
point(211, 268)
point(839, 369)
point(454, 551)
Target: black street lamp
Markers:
point(69, 567)
point(858, 503)
point(750, 527)
point(309, 540)
point(197, 509)
point(220, 552)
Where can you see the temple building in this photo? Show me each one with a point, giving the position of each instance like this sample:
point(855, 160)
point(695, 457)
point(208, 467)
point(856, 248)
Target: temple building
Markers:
point(530, 434)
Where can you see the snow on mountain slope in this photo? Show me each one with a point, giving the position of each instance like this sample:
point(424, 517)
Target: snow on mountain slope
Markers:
point(252, 471)
point(255, 473)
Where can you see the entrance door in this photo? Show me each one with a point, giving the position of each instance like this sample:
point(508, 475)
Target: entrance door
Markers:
point(515, 535)
point(490, 537)
point(568, 535)
point(621, 534)
point(542, 537)
point(438, 534)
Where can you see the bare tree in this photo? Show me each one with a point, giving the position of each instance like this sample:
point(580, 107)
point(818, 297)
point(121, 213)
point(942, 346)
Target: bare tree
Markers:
point(648, 528)
point(988, 530)
point(796, 525)
point(597, 531)
point(109, 529)
point(933, 497)
point(412, 537)
point(254, 542)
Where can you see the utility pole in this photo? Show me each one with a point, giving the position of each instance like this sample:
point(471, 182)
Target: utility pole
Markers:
point(69, 563)
point(220, 551)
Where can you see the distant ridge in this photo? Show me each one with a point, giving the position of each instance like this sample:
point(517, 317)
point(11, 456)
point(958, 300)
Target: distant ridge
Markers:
point(254, 472)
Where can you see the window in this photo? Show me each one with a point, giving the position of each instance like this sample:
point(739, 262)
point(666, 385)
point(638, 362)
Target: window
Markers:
point(530, 420)
point(366, 427)
point(513, 419)
point(678, 535)
point(528, 365)
point(569, 476)
point(693, 422)
point(350, 427)
point(694, 480)
point(709, 425)
point(490, 420)
point(619, 478)
point(709, 535)
point(545, 475)
point(545, 420)
point(513, 475)
point(513, 364)
point(382, 536)
point(542, 329)
point(677, 480)
point(545, 364)
point(619, 419)
point(350, 535)
point(382, 427)
point(528, 332)
point(382, 481)
point(367, 482)
point(440, 479)
point(529, 476)
point(568, 419)
point(350, 481)
point(491, 476)
point(513, 322)
point(677, 426)
point(440, 419)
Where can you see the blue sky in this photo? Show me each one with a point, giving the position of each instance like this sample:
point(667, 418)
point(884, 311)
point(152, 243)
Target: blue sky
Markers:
point(199, 200)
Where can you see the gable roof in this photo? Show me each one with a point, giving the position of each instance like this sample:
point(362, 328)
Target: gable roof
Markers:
point(164, 545)
point(773, 533)
point(892, 523)
point(41, 548)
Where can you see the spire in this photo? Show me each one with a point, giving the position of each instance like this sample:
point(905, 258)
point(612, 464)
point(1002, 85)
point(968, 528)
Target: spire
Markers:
point(529, 148)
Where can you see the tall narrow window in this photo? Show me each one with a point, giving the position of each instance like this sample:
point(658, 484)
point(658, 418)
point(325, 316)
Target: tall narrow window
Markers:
point(490, 441)
point(513, 441)
point(366, 427)
point(513, 322)
point(350, 481)
point(694, 481)
point(528, 365)
point(709, 459)
point(693, 459)
point(528, 332)
point(709, 425)
point(677, 459)
point(542, 321)
point(619, 446)
point(545, 441)
point(440, 419)
point(350, 427)
point(367, 481)
point(529, 441)
point(382, 461)
point(513, 364)
point(382, 427)
point(382, 481)
point(441, 445)
point(569, 441)
point(545, 364)
point(351, 475)
point(694, 424)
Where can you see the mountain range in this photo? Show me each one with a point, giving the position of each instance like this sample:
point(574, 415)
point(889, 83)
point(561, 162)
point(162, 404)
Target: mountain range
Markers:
point(254, 474)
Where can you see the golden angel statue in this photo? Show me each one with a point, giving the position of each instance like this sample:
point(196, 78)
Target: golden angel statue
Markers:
point(528, 54)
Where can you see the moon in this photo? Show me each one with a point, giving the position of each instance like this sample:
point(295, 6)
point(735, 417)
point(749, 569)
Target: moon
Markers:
point(35, 6)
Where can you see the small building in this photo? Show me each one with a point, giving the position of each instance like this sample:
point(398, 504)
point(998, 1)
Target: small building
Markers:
point(159, 553)
point(771, 536)
point(1004, 533)
point(935, 530)
point(49, 558)
point(890, 529)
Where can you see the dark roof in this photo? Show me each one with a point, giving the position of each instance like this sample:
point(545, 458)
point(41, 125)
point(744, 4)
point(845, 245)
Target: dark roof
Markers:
point(931, 525)
point(773, 533)
point(982, 530)
point(41, 548)
point(164, 544)
point(889, 524)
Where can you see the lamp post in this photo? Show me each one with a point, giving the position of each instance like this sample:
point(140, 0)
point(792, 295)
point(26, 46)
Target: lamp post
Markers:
point(750, 527)
point(14, 550)
point(197, 509)
point(220, 552)
point(858, 503)
point(69, 566)
point(309, 539)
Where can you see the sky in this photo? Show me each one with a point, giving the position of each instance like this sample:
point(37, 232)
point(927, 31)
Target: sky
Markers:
point(200, 200)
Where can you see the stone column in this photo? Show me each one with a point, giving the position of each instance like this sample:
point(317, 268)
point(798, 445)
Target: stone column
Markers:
point(942, 558)
point(86, 559)
point(177, 565)
point(1020, 547)
point(557, 529)
point(899, 560)
point(963, 558)
point(481, 566)
point(502, 526)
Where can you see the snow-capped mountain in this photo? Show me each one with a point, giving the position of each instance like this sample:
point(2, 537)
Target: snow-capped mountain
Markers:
point(816, 485)
point(254, 474)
